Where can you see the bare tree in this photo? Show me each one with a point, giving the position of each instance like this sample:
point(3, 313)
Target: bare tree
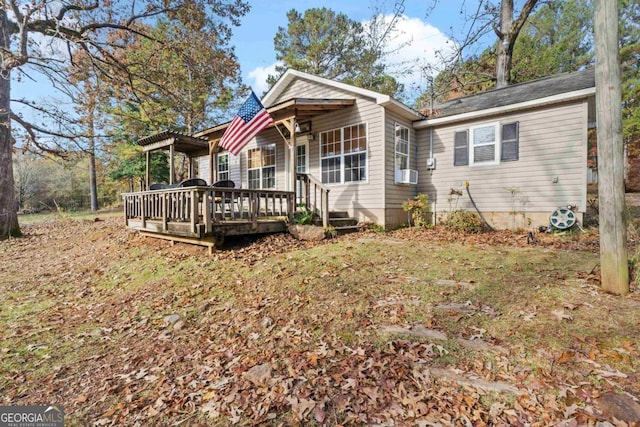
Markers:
point(72, 27)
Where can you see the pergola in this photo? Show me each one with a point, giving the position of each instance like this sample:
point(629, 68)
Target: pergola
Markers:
point(191, 146)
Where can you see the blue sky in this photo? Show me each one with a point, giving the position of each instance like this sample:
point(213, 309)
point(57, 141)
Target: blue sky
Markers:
point(422, 31)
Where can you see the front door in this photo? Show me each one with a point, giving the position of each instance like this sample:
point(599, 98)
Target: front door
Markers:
point(302, 166)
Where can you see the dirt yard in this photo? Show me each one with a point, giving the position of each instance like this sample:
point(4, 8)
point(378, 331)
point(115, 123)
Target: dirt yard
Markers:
point(411, 327)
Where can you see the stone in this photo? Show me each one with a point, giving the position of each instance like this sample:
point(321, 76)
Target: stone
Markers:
point(496, 386)
point(178, 325)
point(479, 345)
point(620, 406)
point(307, 232)
point(259, 374)
point(171, 318)
point(416, 331)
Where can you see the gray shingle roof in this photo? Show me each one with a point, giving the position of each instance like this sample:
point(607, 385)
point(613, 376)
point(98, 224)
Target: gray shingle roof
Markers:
point(521, 92)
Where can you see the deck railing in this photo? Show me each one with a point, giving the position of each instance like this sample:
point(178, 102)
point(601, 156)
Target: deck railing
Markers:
point(206, 206)
point(314, 195)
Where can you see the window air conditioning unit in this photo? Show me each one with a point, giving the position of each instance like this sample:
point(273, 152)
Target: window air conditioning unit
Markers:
point(406, 176)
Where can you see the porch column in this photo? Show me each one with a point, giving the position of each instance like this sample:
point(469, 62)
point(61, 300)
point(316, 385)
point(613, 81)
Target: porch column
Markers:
point(147, 174)
point(171, 163)
point(290, 123)
point(213, 171)
point(292, 163)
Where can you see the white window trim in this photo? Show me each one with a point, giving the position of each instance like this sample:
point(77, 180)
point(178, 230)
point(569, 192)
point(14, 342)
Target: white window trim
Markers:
point(261, 167)
point(342, 155)
point(396, 152)
point(496, 143)
point(228, 171)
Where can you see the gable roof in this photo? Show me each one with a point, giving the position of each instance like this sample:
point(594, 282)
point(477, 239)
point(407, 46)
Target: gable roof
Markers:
point(381, 99)
point(557, 88)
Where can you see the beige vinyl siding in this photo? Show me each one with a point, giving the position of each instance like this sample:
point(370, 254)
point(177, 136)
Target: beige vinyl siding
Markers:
point(396, 194)
point(362, 199)
point(235, 172)
point(301, 88)
point(552, 145)
point(203, 169)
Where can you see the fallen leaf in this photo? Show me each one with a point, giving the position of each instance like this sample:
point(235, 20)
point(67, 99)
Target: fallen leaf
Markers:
point(301, 407)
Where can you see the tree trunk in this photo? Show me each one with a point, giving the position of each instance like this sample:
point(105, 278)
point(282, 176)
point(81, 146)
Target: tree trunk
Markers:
point(8, 214)
point(504, 49)
point(613, 227)
point(507, 35)
point(93, 185)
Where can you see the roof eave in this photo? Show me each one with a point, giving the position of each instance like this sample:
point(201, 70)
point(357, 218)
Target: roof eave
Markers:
point(549, 100)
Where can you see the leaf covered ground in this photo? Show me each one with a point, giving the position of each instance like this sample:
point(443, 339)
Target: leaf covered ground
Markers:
point(411, 327)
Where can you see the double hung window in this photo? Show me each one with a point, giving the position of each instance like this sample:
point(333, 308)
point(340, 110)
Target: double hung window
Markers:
point(343, 154)
point(261, 167)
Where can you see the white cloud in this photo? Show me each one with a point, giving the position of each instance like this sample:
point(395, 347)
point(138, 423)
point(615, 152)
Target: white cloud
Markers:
point(412, 47)
point(258, 78)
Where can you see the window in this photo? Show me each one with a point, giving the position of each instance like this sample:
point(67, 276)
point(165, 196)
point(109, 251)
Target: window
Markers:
point(510, 148)
point(488, 145)
point(483, 139)
point(343, 154)
point(402, 147)
point(223, 167)
point(301, 158)
point(261, 167)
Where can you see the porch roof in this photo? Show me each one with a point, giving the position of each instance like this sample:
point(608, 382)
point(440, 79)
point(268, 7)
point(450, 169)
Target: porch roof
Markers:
point(190, 145)
point(299, 108)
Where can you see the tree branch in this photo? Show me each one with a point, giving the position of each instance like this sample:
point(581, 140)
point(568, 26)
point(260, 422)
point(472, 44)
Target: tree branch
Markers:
point(522, 18)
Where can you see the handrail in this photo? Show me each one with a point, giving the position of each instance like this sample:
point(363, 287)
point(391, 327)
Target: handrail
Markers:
point(202, 207)
point(311, 191)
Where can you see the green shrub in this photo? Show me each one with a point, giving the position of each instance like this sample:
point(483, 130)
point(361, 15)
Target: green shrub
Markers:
point(304, 216)
point(418, 210)
point(464, 221)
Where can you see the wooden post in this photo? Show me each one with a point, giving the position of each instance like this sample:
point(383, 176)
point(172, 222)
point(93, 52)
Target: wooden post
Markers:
point(292, 151)
point(148, 171)
point(143, 211)
point(165, 212)
point(171, 163)
point(213, 173)
point(206, 212)
point(195, 215)
point(613, 226)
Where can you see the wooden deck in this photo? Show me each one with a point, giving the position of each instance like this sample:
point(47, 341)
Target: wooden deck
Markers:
point(205, 215)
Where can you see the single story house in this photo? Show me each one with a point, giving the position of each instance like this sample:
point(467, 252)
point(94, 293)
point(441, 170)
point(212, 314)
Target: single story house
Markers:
point(521, 150)
point(514, 154)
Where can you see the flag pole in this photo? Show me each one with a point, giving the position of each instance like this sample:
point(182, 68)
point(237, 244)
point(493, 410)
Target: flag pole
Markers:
point(282, 135)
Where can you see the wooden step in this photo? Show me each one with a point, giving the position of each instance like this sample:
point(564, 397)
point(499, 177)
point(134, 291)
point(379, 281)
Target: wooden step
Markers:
point(348, 229)
point(338, 214)
point(342, 222)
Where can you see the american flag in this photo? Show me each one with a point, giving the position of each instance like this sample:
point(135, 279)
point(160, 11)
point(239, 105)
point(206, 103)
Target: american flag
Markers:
point(248, 122)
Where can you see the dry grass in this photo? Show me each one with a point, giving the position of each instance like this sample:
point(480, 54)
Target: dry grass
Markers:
point(83, 324)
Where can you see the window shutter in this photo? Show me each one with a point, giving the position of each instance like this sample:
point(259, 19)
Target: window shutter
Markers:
point(510, 145)
point(461, 148)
